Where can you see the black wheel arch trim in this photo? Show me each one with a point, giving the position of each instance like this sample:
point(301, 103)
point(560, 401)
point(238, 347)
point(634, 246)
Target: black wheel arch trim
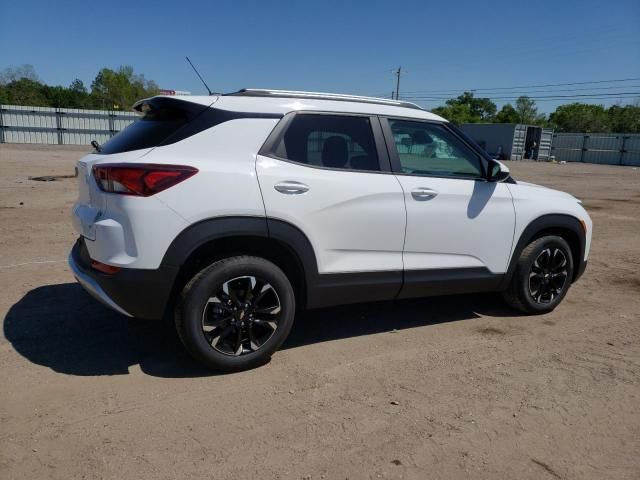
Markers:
point(318, 290)
point(549, 223)
point(211, 229)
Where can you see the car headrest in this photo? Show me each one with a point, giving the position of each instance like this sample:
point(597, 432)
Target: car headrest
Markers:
point(335, 152)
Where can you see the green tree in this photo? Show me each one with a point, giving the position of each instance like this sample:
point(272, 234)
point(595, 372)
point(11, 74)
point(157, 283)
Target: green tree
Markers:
point(466, 108)
point(25, 92)
point(580, 117)
point(482, 108)
point(20, 85)
point(456, 114)
point(78, 95)
point(527, 111)
point(624, 119)
point(120, 89)
point(507, 114)
point(56, 96)
point(111, 89)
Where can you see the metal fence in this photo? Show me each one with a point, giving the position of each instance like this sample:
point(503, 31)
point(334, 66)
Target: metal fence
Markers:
point(60, 126)
point(604, 148)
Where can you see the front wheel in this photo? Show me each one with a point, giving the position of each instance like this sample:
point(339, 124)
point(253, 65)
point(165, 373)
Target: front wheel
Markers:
point(542, 277)
point(235, 313)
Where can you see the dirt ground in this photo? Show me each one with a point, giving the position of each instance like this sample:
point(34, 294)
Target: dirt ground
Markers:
point(451, 387)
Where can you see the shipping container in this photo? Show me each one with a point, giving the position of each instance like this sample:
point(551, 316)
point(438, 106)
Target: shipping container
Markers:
point(604, 148)
point(511, 141)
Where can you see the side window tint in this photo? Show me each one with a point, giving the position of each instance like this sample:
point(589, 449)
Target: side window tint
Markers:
point(333, 141)
point(431, 149)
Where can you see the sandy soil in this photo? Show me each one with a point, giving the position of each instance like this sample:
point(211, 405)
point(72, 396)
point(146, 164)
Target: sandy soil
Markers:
point(455, 387)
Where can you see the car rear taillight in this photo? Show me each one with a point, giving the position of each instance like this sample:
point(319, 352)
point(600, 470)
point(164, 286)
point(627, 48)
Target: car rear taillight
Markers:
point(140, 179)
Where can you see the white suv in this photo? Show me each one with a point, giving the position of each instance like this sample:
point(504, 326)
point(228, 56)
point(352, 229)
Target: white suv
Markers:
point(231, 212)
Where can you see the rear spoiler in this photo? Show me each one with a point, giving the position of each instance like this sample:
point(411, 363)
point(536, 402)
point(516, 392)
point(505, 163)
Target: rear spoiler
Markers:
point(192, 109)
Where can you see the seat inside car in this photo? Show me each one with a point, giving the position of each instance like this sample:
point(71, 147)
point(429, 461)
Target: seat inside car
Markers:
point(335, 152)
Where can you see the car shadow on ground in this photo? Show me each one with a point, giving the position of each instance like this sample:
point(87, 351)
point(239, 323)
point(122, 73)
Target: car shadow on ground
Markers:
point(61, 327)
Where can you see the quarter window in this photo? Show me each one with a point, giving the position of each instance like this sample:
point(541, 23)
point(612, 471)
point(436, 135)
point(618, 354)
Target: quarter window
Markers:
point(332, 141)
point(431, 149)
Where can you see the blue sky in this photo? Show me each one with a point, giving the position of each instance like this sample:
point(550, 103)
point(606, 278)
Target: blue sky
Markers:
point(343, 46)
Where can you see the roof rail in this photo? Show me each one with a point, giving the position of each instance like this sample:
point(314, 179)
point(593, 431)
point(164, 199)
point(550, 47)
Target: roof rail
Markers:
point(257, 92)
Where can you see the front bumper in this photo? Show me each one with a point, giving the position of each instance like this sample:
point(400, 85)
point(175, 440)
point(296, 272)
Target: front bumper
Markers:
point(132, 292)
point(581, 267)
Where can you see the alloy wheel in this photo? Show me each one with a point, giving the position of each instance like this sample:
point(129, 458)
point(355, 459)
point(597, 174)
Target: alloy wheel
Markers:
point(548, 275)
point(241, 315)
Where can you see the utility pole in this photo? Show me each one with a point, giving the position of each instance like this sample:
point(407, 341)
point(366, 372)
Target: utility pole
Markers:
point(398, 73)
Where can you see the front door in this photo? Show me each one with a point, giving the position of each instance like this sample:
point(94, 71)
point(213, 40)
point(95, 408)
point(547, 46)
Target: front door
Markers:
point(457, 222)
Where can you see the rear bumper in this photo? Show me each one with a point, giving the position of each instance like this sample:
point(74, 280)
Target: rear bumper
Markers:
point(93, 287)
point(132, 292)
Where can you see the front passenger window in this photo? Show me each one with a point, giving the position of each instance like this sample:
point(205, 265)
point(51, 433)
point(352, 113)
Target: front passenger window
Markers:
point(431, 149)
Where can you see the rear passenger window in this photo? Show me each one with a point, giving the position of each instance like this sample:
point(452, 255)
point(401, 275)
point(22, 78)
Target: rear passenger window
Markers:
point(332, 141)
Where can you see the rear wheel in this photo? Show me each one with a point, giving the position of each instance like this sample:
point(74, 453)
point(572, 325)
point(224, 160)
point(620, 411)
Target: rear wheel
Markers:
point(542, 276)
point(235, 313)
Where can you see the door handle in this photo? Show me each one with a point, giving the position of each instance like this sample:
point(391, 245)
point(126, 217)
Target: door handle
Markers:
point(291, 188)
point(422, 194)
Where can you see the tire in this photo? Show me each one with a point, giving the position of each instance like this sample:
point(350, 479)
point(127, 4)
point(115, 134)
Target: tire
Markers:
point(221, 307)
point(548, 286)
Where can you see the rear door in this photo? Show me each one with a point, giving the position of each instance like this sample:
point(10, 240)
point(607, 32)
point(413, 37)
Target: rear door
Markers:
point(329, 176)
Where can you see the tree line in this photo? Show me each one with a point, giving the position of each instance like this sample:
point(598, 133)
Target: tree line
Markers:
point(119, 89)
point(571, 117)
point(110, 90)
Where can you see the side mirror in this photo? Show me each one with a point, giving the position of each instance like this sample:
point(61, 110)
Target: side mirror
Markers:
point(498, 171)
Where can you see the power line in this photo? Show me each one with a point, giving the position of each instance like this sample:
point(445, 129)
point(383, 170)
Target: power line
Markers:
point(526, 92)
point(623, 98)
point(530, 86)
point(626, 98)
point(587, 95)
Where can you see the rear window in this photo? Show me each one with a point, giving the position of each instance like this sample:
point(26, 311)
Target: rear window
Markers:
point(332, 141)
point(161, 123)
